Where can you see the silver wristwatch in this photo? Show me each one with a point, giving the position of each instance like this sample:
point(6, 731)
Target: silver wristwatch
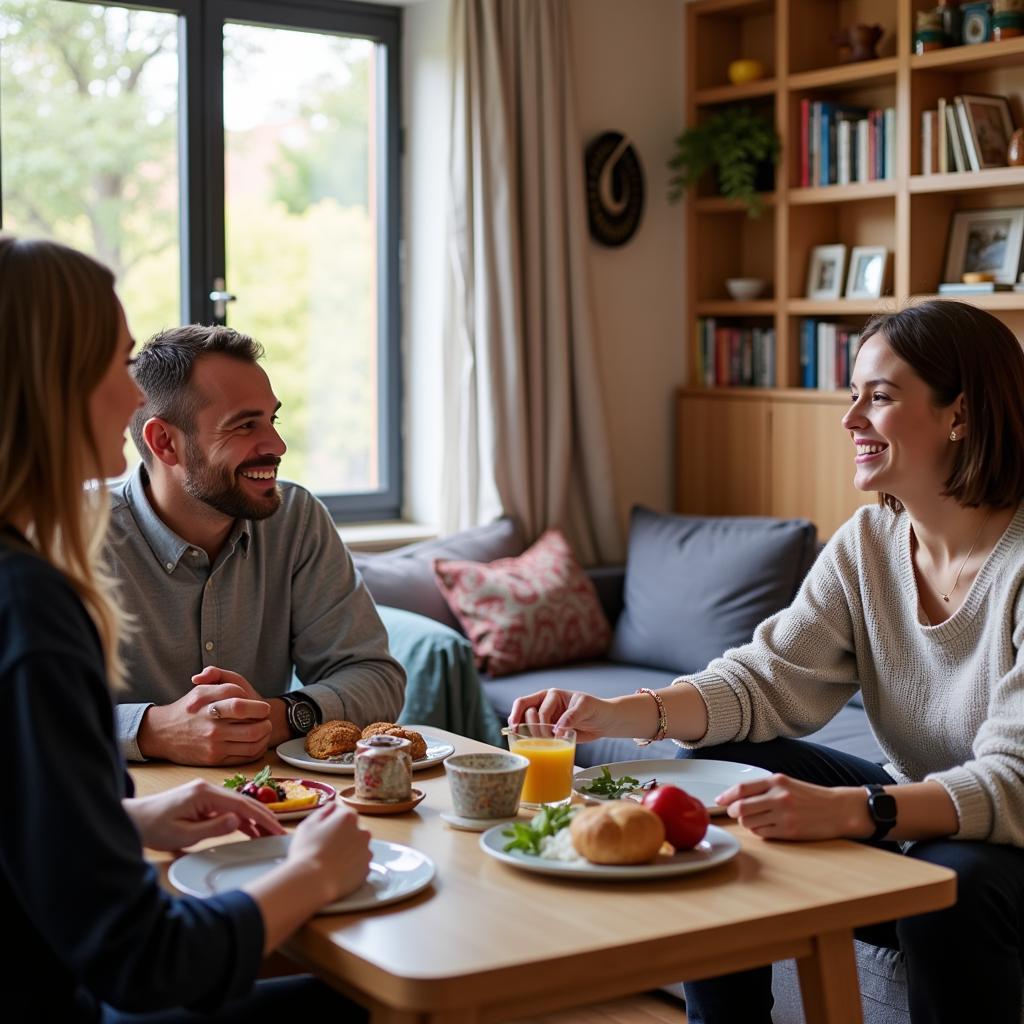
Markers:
point(302, 713)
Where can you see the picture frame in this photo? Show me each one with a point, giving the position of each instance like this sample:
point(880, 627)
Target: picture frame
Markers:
point(985, 241)
point(989, 125)
point(825, 272)
point(866, 278)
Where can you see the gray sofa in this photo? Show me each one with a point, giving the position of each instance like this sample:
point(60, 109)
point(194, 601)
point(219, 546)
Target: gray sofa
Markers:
point(692, 587)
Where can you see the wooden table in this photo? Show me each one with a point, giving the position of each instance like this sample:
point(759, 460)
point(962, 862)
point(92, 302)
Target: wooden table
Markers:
point(488, 942)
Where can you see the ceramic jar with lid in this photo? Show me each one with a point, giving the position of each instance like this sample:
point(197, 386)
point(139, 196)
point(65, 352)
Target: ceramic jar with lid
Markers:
point(383, 769)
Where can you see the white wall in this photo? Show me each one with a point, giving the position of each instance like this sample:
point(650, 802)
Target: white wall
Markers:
point(629, 78)
point(628, 75)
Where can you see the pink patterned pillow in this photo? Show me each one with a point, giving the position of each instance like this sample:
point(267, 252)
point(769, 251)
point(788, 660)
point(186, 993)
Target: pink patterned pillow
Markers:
point(535, 610)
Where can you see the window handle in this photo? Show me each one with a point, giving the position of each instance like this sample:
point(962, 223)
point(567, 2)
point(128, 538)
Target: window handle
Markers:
point(220, 298)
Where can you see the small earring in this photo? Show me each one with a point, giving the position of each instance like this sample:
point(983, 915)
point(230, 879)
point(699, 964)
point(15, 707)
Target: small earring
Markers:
point(952, 435)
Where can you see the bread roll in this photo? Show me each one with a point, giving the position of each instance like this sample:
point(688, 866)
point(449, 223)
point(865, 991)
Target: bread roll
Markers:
point(618, 832)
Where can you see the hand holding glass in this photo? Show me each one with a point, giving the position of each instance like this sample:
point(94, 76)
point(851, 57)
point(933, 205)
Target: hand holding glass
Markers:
point(549, 777)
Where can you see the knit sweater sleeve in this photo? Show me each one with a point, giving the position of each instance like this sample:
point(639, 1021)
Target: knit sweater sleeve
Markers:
point(988, 789)
point(798, 670)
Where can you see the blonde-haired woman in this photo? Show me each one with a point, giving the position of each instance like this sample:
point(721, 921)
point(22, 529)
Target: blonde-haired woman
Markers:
point(95, 937)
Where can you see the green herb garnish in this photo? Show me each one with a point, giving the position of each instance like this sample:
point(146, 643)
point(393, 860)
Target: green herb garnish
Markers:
point(527, 837)
point(261, 778)
point(613, 789)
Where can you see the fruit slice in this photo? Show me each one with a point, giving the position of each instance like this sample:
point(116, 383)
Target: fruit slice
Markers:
point(298, 797)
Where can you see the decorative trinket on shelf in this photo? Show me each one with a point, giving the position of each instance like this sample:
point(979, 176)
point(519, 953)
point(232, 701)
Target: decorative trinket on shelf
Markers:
point(1015, 150)
point(929, 33)
point(977, 23)
point(744, 70)
point(858, 43)
point(1007, 19)
point(951, 21)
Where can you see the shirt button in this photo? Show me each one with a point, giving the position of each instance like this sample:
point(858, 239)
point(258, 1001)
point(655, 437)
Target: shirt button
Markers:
point(209, 645)
point(170, 566)
point(194, 553)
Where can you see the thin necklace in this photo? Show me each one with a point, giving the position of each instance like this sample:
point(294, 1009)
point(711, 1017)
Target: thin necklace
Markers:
point(945, 597)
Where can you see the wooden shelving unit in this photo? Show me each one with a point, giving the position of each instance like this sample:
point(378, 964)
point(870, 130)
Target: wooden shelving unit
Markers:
point(780, 451)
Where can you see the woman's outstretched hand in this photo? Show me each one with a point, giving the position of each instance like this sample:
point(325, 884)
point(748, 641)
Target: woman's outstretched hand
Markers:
point(590, 716)
point(779, 807)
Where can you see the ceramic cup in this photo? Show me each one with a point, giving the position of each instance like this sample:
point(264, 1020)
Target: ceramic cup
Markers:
point(486, 785)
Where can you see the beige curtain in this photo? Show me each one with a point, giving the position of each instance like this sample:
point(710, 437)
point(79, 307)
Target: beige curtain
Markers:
point(524, 425)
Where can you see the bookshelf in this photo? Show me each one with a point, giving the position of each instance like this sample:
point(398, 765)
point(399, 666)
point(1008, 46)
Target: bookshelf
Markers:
point(780, 450)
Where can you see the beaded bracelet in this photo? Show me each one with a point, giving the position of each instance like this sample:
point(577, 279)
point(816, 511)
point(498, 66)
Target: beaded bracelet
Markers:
point(662, 719)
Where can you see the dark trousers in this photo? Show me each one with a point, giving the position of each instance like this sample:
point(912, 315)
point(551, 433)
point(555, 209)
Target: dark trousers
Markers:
point(294, 998)
point(963, 964)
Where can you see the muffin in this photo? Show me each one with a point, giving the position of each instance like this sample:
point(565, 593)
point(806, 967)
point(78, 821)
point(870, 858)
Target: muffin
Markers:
point(418, 749)
point(332, 739)
point(377, 728)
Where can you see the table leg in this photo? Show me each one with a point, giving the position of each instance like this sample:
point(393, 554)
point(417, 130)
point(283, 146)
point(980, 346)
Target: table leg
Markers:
point(828, 980)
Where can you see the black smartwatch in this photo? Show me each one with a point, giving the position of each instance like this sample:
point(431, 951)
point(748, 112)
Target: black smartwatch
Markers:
point(302, 713)
point(882, 808)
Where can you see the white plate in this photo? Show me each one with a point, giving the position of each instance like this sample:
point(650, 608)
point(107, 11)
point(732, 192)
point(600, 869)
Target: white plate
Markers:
point(701, 779)
point(294, 752)
point(396, 871)
point(717, 847)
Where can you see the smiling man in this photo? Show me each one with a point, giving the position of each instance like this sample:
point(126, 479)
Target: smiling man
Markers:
point(234, 579)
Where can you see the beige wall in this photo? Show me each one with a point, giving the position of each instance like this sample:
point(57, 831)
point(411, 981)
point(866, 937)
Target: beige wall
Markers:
point(628, 77)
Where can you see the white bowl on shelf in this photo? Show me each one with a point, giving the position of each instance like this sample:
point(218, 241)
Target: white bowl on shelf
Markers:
point(745, 289)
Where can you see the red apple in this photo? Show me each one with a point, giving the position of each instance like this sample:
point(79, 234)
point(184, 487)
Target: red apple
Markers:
point(685, 818)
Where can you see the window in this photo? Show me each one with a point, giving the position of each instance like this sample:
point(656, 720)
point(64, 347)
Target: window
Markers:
point(233, 160)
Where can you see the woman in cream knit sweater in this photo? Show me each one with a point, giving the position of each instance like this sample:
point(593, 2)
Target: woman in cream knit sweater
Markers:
point(919, 604)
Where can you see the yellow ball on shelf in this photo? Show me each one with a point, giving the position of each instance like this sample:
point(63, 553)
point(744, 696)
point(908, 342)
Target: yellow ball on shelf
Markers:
point(745, 70)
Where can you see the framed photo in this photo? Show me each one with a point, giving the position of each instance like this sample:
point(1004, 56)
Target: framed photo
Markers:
point(989, 127)
point(866, 277)
point(825, 273)
point(985, 241)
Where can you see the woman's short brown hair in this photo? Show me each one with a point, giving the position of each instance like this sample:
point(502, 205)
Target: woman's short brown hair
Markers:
point(960, 349)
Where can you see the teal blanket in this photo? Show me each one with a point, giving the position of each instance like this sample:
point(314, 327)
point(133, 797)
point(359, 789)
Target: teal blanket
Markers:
point(444, 688)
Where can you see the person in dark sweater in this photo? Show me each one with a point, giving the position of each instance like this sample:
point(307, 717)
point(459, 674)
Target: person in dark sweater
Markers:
point(95, 937)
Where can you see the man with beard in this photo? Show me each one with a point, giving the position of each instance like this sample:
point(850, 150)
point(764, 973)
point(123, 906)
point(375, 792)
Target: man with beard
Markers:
point(234, 580)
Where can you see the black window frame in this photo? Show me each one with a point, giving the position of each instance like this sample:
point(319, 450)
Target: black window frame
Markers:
point(201, 184)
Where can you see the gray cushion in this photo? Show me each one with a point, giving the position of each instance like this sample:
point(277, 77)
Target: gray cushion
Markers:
point(696, 586)
point(405, 578)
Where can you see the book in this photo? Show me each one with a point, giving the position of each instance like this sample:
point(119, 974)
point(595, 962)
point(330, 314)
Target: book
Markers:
point(929, 142)
point(966, 136)
point(943, 140)
point(805, 148)
point(974, 288)
point(863, 154)
point(889, 124)
point(953, 130)
point(809, 354)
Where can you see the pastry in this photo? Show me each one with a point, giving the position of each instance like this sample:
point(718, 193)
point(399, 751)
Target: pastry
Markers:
point(618, 832)
point(332, 739)
point(418, 749)
point(376, 728)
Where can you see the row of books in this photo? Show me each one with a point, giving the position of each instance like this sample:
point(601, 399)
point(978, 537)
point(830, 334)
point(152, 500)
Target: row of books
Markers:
point(841, 144)
point(730, 356)
point(827, 351)
point(948, 144)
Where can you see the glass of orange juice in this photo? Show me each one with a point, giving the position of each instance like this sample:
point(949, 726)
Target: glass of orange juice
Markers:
point(549, 777)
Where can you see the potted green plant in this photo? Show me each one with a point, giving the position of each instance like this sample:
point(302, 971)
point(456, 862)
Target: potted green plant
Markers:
point(738, 144)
